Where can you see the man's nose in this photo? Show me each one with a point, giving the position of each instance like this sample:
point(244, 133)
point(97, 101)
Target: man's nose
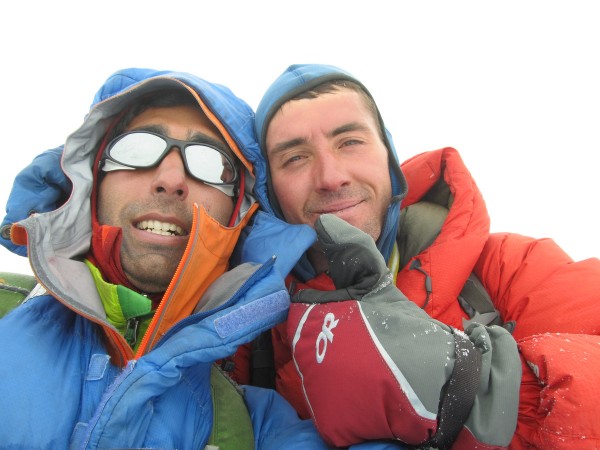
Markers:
point(330, 171)
point(170, 176)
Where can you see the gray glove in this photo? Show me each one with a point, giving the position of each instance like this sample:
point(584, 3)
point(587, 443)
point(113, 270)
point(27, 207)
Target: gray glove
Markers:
point(356, 267)
point(412, 377)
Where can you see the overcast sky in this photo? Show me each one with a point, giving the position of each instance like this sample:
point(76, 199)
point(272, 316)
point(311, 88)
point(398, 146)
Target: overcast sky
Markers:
point(513, 85)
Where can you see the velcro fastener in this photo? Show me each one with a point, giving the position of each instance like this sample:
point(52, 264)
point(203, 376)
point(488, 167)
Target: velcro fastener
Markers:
point(458, 394)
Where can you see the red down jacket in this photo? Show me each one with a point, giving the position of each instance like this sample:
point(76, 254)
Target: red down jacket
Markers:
point(554, 301)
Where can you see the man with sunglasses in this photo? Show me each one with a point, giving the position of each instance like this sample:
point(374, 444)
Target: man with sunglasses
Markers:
point(115, 347)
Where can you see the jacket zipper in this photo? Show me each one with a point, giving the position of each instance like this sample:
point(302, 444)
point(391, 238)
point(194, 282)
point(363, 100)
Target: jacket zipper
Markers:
point(162, 305)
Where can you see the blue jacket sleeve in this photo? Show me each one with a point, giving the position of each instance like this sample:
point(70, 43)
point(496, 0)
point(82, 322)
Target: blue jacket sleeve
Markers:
point(268, 236)
point(277, 425)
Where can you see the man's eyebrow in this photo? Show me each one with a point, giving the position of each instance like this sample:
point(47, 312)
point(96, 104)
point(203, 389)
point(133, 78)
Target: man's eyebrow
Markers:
point(158, 129)
point(286, 145)
point(352, 126)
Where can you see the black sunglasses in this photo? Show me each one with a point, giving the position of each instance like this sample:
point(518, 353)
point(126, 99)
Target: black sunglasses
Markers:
point(144, 149)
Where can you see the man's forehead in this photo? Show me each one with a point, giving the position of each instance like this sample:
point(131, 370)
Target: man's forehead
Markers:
point(332, 113)
point(176, 117)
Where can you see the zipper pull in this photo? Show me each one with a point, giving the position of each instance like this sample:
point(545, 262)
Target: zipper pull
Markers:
point(131, 331)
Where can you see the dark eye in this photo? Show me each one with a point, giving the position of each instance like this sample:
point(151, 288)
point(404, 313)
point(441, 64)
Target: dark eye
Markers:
point(292, 160)
point(350, 142)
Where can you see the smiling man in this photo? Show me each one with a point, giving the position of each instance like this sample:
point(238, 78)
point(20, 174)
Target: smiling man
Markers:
point(353, 341)
point(332, 149)
point(394, 309)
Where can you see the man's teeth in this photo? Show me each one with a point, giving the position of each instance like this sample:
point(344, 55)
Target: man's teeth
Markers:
point(162, 228)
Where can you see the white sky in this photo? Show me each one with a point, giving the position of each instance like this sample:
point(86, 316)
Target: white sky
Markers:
point(513, 85)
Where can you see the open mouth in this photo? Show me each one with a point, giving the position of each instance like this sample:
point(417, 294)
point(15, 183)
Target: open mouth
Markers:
point(162, 228)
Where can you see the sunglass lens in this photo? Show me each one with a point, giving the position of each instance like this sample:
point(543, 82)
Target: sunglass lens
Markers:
point(138, 149)
point(209, 165)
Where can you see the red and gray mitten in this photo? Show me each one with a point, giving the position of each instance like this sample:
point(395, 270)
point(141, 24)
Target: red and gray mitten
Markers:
point(374, 365)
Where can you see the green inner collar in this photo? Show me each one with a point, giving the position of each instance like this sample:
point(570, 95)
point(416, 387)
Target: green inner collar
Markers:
point(128, 311)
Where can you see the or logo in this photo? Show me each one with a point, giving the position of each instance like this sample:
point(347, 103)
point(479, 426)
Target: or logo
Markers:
point(329, 323)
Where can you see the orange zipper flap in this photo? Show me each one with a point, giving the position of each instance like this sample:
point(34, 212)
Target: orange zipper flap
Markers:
point(205, 259)
point(152, 328)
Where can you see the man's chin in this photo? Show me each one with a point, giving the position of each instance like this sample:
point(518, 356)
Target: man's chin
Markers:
point(150, 286)
point(151, 274)
point(370, 227)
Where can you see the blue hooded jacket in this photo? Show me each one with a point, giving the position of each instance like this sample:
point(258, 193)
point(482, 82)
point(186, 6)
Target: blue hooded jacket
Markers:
point(293, 81)
point(62, 386)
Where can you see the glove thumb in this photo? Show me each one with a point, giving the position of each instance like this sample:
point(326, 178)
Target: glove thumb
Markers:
point(355, 263)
